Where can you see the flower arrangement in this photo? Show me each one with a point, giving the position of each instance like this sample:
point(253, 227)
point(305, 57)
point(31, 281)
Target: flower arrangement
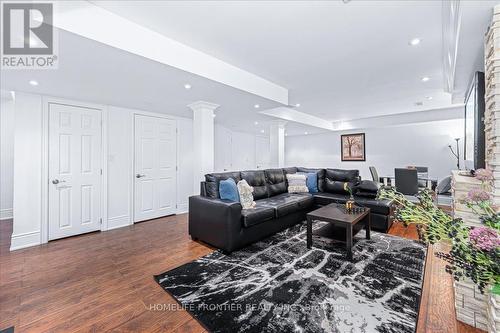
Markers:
point(348, 189)
point(475, 251)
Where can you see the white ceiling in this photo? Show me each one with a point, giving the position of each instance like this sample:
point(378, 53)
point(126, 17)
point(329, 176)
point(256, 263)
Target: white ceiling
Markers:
point(339, 61)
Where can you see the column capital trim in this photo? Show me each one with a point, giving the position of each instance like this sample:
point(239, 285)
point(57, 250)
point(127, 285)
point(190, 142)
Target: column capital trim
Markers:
point(279, 123)
point(198, 105)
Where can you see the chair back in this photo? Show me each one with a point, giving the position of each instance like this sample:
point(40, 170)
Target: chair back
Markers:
point(406, 181)
point(374, 173)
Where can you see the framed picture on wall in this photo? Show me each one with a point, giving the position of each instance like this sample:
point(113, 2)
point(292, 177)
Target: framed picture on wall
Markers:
point(352, 147)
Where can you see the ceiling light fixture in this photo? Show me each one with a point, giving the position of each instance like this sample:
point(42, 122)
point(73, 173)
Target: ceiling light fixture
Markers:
point(262, 131)
point(297, 105)
point(256, 106)
point(214, 115)
point(187, 86)
point(415, 41)
point(256, 123)
point(34, 83)
point(425, 79)
point(306, 133)
point(429, 98)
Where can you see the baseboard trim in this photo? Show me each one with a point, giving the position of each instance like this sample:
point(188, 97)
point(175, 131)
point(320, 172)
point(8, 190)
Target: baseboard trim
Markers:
point(6, 214)
point(182, 208)
point(118, 222)
point(24, 240)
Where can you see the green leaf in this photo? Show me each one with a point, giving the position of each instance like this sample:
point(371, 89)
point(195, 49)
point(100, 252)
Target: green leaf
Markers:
point(496, 289)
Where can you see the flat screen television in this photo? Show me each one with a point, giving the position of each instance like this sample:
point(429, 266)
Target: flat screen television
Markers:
point(474, 141)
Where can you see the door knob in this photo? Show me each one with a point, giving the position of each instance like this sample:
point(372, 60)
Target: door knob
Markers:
point(57, 181)
point(139, 175)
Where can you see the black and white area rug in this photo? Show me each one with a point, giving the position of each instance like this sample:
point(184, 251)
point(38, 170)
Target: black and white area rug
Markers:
point(278, 285)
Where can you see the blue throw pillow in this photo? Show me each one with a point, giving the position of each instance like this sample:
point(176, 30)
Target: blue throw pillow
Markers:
point(312, 182)
point(228, 190)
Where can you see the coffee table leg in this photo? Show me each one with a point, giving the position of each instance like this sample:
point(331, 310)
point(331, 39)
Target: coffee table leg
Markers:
point(309, 233)
point(349, 241)
point(368, 226)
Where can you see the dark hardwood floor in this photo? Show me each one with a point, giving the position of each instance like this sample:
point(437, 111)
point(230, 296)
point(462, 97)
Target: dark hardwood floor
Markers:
point(104, 282)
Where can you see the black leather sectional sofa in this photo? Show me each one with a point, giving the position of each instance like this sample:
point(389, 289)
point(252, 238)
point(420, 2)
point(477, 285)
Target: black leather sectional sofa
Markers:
point(227, 226)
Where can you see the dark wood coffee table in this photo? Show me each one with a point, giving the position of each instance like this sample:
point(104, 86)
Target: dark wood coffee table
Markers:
point(336, 216)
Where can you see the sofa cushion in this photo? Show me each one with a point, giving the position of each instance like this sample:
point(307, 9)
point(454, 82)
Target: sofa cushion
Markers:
point(276, 181)
point(367, 189)
point(212, 182)
point(335, 179)
point(333, 186)
point(286, 171)
point(228, 190)
point(325, 198)
point(366, 194)
point(256, 215)
point(382, 207)
point(287, 203)
point(368, 186)
point(256, 179)
point(319, 172)
point(342, 175)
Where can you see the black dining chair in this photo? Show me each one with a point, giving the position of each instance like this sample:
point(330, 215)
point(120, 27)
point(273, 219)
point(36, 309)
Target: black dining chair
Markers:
point(423, 174)
point(406, 182)
point(374, 173)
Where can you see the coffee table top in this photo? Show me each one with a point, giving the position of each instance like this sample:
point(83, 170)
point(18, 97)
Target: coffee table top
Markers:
point(334, 213)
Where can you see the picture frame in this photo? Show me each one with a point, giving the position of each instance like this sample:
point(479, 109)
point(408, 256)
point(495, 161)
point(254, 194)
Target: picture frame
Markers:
point(353, 147)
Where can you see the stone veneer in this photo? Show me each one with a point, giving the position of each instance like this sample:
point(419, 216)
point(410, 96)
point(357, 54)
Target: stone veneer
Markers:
point(482, 310)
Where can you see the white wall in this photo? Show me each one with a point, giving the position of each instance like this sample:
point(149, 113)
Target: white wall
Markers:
point(424, 144)
point(240, 151)
point(6, 156)
point(27, 192)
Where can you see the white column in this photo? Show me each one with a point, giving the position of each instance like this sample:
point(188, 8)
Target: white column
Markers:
point(277, 143)
point(203, 141)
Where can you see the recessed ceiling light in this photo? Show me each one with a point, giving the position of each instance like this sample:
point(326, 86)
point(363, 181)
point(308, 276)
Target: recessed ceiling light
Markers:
point(262, 131)
point(256, 106)
point(415, 41)
point(297, 105)
point(429, 98)
point(187, 86)
point(306, 133)
point(256, 123)
point(34, 83)
point(425, 79)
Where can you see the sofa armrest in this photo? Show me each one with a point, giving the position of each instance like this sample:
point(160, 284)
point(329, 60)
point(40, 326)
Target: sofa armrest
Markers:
point(214, 221)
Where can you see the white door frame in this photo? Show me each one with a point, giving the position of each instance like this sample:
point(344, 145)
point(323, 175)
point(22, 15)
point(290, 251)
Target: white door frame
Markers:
point(132, 160)
point(46, 101)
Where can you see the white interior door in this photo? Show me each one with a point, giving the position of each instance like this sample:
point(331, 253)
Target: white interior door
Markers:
point(74, 170)
point(155, 167)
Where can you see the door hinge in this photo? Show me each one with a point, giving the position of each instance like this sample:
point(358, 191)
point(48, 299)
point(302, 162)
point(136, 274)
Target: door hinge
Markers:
point(100, 221)
point(176, 168)
point(101, 172)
